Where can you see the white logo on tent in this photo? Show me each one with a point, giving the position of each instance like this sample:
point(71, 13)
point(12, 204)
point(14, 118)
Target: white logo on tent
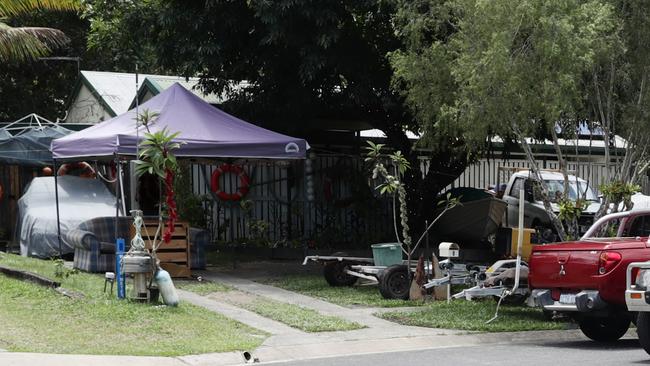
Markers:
point(292, 147)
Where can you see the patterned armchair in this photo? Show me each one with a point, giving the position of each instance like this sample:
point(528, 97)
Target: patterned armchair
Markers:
point(94, 243)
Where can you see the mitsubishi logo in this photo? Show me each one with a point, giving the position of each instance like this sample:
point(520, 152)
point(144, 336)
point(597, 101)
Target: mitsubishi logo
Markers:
point(562, 271)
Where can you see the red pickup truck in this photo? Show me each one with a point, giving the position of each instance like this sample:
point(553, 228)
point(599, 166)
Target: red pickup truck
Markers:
point(585, 279)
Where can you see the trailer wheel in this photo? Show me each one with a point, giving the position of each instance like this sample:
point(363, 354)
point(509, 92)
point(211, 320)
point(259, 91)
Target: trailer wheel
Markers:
point(643, 330)
point(335, 275)
point(607, 329)
point(394, 282)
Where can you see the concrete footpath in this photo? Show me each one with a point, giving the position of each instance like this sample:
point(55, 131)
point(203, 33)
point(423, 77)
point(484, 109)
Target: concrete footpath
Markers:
point(289, 344)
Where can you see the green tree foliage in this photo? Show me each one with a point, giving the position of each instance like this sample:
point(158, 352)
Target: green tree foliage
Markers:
point(302, 62)
point(617, 89)
point(513, 66)
point(522, 69)
point(119, 34)
point(20, 43)
point(422, 68)
point(44, 86)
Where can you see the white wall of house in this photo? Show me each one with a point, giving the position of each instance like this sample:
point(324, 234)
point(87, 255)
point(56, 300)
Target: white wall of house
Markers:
point(86, 108)
point(147, 95)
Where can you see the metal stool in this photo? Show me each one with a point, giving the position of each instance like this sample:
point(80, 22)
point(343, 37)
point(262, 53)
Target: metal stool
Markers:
point(109, 277)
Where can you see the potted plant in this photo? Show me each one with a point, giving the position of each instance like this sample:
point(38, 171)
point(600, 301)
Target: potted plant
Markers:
point(156, 157)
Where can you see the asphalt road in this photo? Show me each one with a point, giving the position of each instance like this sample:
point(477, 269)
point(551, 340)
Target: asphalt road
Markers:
point(586, 353)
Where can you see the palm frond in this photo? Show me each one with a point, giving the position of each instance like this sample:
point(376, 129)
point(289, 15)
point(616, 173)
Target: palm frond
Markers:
point(17, 45)
point(52, 37)
point(12, 8)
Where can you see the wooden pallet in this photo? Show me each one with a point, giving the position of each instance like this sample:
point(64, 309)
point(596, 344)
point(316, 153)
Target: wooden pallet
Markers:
point(174, 256)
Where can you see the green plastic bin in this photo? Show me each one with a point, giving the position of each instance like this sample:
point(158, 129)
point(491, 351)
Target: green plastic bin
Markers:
point(387, 254)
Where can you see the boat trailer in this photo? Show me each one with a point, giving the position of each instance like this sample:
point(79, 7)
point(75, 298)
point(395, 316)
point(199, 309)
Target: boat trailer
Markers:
point(393, 281)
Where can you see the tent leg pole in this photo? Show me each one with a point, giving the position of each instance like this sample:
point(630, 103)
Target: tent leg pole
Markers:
point(117, 193)
point(56, 198)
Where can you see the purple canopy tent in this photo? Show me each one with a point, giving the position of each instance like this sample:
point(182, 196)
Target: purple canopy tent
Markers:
point(205, 131)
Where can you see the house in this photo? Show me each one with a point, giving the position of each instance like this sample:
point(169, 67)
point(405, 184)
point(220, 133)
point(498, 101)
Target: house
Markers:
point(585, 156)
point(154, 84)
point(341, 207)
point(100, 95)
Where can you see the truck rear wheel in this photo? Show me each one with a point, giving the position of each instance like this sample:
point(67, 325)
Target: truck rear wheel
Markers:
point(394, 282)
point(643, 330)
point(602, 329)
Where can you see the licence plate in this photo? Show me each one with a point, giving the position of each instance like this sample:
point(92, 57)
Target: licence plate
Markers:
point(568, 298)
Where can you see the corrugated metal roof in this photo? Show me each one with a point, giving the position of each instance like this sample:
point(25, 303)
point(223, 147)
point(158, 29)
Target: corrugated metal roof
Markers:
point(162, 82)
point(117, 89)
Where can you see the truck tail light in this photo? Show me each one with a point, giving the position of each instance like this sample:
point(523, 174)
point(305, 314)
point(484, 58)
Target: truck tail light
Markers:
point(607, 261)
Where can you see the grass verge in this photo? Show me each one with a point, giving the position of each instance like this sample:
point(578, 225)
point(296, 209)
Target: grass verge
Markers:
point(203, 287)
point(472, 315)
point(316, 286)
point(36, 319)
point(298, 317)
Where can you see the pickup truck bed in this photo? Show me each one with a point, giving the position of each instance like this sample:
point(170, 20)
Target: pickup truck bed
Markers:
point(586, 279)
point(574, 266)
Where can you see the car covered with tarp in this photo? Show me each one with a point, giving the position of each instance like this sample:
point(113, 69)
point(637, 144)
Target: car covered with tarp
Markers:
point(80, 199)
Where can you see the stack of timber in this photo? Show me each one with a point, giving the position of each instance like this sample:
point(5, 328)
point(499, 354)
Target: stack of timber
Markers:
point(174, 256)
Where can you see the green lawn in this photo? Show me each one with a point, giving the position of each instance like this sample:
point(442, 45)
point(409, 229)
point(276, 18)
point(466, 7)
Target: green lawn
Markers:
point(472, 315)
point(203, 287)
point(36, 319)
point(460, 314)
point(292, 315)
point(316, 286)
point(299, 317)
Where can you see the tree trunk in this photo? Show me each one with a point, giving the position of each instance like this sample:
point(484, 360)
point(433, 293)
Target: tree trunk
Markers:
point(572, 221)
point(422, 189)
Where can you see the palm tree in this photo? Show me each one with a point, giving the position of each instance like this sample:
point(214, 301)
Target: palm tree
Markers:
point(18, 44)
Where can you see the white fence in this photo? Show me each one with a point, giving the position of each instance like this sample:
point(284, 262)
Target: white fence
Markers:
point(485, 173)
point(345, 209)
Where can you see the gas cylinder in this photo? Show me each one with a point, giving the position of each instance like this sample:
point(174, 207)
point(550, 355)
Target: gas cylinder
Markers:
point(166, 287)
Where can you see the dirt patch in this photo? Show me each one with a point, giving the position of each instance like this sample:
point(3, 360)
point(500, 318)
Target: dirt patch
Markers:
point(266, 269)
point(238, 298)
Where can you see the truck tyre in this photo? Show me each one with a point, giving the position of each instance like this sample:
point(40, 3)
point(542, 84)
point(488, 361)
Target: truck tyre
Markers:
point(643, 330)
point(335, 275)
point(545, 233)
point(394, 282)
point(607, 329)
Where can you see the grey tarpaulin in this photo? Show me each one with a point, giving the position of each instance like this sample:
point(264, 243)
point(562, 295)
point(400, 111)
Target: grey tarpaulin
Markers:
point(80, 199)
point(30, 148)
